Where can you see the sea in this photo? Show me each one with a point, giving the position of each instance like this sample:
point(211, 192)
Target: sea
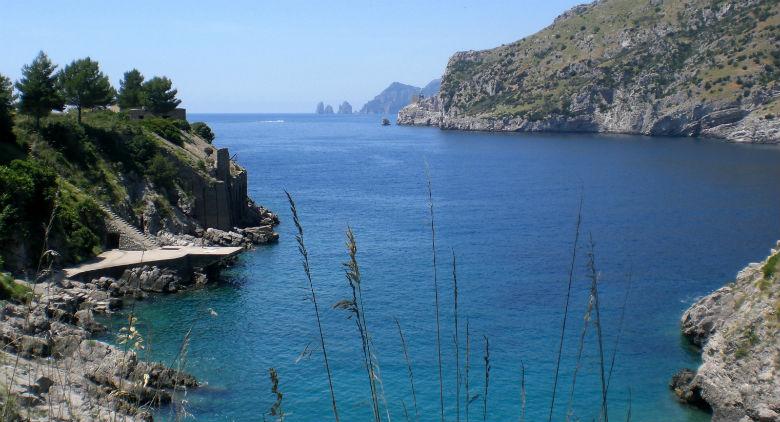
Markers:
point(662, 222)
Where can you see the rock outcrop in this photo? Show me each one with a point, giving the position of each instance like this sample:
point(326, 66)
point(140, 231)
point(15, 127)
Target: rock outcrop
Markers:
point(678, 68)
point(345, 108)
point(54, 370)
point(738, 329)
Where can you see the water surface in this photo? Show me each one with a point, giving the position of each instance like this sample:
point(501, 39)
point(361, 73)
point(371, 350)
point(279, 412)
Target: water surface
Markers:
point(678, 217)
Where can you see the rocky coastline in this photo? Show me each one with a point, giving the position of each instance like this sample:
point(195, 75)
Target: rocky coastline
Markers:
point(52, 365)
point(730, 122)
point(737, 328)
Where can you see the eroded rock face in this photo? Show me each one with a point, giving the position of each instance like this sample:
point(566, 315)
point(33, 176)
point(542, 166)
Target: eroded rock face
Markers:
point(738, 328)
point(56, 371)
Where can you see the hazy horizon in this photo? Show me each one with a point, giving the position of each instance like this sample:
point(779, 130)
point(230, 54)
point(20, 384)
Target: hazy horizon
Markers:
point(244, 57)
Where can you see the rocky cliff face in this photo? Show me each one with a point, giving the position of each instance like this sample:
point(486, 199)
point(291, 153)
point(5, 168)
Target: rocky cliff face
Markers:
point(676, 67)
point(738, 329)
point(345, 108)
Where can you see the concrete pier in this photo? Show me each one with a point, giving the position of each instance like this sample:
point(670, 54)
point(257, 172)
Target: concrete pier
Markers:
point(184, 258)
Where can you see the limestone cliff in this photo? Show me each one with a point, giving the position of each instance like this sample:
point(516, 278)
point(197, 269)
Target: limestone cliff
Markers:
point(738, 329)
point(674, 67)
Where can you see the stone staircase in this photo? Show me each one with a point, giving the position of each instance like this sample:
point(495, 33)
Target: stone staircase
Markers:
point(130, 237)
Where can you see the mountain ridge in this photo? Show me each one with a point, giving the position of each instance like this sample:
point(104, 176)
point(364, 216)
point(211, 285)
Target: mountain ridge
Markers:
point(676, 67)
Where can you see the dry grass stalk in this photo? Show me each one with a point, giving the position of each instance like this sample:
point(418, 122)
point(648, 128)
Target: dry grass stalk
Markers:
point(276, 408)
point(467, 367)
point(307, 269)
point(566, 308)
point(522, 391)
point(487, 378)
point(457, 340)
point(436, 293)
point(409, 369)
point(594, 278)
point(355, 307)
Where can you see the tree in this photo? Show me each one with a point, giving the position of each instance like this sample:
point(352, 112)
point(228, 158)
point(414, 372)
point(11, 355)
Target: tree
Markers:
point(203, 130)
point(7, 99)
point(158, 96)
point(85, 86)
point(131, 90)
point(38, 88)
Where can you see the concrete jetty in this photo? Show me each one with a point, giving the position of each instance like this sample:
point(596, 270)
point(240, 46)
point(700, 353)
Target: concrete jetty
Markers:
point(114, 262)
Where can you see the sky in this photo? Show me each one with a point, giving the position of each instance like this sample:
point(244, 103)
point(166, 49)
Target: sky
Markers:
point(267, 56)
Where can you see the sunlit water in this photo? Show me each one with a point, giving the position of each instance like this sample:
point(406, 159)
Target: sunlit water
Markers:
point(680, 216)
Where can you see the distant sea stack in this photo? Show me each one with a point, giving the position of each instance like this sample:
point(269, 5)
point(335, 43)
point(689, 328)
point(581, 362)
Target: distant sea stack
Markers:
point(345, 108)
point(679, 68)
point(323, 109)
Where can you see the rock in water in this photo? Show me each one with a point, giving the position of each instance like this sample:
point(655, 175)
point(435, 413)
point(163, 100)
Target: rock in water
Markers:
point(328, 109)
point(345, 108)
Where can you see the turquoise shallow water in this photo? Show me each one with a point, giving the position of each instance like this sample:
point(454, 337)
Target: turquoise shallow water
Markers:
point(681, 215)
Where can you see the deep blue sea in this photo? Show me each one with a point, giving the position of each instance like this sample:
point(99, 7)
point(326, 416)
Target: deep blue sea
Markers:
point(678, 217)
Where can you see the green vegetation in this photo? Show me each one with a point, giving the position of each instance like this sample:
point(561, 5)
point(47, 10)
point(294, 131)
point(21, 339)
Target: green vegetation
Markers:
point(203, 130)
point(166, 128)
point(771, 266)
point(10, 290)
point(131, 91)
point(38, 88)
point(7, 98)
point(598, 50)
point(85, 86)
point(158, 96)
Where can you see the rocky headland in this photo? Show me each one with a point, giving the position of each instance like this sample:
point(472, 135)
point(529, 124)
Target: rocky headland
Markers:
point(677, 68)
point(737, 328)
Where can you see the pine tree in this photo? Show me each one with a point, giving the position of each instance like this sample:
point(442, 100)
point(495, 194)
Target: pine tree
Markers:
point(7, 99)
point(38, 88)
point(158, 96)
point(85, 86)
point(131, 90)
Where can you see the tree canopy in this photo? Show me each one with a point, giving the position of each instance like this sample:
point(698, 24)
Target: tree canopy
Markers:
point(38, 88)
point(203, 130)
point(131, 91)
point(85, 86)
point(158, 96)
point(7, 99)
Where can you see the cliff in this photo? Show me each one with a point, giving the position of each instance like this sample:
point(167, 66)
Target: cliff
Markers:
point(676, 67)
point(738, 330)
point(77, 189)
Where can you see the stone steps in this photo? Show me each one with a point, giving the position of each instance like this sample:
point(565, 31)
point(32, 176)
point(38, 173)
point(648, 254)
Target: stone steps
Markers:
point(138, 237)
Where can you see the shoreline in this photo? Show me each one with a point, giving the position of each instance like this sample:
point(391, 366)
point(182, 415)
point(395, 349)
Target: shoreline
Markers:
point(52, 365)
point(736, 331)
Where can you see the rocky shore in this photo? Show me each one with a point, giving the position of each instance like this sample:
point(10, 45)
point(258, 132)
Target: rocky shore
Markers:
point(52, 367)
point(737, 328)
point(729, 122)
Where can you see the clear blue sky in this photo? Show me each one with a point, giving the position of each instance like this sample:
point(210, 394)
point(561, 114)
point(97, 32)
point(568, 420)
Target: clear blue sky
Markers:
point(267, 56)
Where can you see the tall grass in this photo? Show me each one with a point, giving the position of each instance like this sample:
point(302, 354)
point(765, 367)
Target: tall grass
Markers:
point(355, 307)
point(276, 408)
point(467, 367)
point(566, 308)
point(408, 368)
point(594, 293)
point(307, 270)
point(456, 339)
point(436, 294)
point(487, 379)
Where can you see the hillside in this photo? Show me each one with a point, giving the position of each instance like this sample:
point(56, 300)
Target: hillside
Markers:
point(675, 67)
point(66, 186)
point(391, 99)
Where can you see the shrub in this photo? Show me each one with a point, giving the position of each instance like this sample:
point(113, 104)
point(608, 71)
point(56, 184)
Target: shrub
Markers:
point(161, 171)
point(10, 290)
point(165, 128)
point(203, 130)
